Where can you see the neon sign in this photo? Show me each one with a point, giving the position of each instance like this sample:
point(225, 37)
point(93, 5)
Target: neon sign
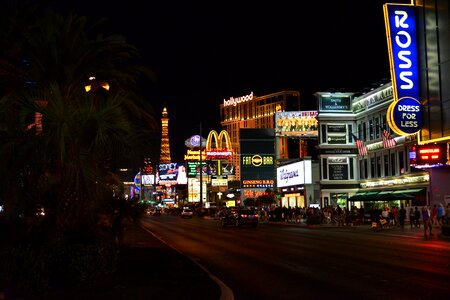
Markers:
point(257, 160)
point(405, 113)
point(432, 154)
point(405, 116)
point(221, 151)
point(235, 101)
point(401, 33)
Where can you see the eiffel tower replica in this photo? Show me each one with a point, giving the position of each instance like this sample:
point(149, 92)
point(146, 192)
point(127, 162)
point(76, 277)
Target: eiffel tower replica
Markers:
point(165, 158)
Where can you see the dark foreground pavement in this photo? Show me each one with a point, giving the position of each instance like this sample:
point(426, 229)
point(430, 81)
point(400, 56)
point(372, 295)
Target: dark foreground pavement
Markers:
point(147, 269)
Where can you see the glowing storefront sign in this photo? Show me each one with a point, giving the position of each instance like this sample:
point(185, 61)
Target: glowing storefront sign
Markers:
point(257, 160)
point(431, 154)
point(194, 155)
point(221, 151)
point(401, 34)
point(258, 183)
point(404, 115)
point(235, 101)
point(295, 174)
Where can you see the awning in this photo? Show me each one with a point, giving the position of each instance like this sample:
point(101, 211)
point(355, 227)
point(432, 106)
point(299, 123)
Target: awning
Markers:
point(387, 195)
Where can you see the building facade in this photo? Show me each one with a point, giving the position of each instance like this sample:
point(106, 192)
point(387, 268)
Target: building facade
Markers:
point(251, 111)
point(378, 171)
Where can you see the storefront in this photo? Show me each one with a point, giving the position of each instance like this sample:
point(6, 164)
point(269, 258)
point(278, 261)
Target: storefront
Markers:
point(295, 182)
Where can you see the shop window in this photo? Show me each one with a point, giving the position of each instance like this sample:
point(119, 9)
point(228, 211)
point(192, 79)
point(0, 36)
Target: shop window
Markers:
point(324, 133)
point(371, 130)
point(393, 173)
point(372, 167)
point(401, 162)
point(361, 171)
point(386, 165)
point(365, 168)
point(352, 176)
point(378, 166)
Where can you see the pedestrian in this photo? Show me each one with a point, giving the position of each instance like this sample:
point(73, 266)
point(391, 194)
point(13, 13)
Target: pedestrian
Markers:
point(440, 214)
point(417, 217)
point(434, 220)
point(411, 217)
point(426, 217)
point(402, 217)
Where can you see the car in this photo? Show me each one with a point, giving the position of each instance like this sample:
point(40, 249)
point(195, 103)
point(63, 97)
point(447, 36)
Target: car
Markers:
point(154, 211)
point(187, 213)
point(240, 216)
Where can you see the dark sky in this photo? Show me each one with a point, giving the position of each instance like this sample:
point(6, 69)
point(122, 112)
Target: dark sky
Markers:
point(205, 51)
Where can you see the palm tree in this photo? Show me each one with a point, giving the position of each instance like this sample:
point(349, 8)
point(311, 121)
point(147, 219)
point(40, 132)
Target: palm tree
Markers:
point(65, 165)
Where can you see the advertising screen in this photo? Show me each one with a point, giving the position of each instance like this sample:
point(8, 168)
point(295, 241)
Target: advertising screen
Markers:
point(295, 123)
point(168, 172)
point(295, 174)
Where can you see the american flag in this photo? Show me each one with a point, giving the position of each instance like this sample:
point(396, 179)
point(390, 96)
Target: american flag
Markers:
point(362, 149)
point(388, 140)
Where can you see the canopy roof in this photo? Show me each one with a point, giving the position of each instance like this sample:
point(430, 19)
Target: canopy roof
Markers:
point(387, 195)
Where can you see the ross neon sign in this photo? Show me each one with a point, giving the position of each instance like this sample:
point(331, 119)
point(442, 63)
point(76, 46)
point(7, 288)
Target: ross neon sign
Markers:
point(401, 33)
point(404, 115)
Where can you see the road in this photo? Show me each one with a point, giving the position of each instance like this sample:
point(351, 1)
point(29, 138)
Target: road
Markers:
point(276, 261)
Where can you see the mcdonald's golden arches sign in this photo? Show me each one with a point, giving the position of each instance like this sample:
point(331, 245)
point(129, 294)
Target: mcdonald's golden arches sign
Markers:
point(222, 145)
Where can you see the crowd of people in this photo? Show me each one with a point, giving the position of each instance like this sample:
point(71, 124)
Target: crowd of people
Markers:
point(385, 218)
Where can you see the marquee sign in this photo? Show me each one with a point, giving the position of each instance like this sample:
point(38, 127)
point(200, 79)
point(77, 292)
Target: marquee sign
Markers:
point(431, 154)
point(295, 174)
point(221, 150)
point(405, 113)
point(257, 160)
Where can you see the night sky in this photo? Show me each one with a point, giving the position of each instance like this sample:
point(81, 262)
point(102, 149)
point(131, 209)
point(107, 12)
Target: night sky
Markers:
point(205, 51)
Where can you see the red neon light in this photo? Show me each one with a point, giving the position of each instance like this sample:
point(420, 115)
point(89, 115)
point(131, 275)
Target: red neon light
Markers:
point(430, 150)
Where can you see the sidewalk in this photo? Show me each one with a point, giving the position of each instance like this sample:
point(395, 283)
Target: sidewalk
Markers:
point(407, 230)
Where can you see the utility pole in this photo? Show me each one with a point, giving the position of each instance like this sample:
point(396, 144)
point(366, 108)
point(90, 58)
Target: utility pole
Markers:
point(201, 168)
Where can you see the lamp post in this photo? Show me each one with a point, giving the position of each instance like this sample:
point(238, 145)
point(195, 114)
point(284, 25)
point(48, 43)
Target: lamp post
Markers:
point(201, 168)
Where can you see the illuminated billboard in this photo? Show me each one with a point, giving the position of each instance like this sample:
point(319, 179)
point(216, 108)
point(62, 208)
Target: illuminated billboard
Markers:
point(295, 123)
point(431, 154)
point(218, 146)
point(295, 174)
point(257, 158)
point(404, 115)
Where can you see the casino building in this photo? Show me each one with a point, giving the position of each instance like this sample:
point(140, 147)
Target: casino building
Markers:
point(257, 112)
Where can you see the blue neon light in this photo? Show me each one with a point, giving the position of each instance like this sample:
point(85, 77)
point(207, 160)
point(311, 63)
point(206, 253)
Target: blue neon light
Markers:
point(408, 115)
point(402, 30)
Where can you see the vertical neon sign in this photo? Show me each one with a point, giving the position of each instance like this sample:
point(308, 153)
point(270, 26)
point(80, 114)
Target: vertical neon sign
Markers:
point(402, 44)
point(404, 115)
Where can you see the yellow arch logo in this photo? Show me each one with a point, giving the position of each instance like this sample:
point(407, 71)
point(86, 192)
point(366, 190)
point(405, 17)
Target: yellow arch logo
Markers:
point(218, 138)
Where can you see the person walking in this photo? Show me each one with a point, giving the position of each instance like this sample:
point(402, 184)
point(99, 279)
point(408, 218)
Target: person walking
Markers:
point(426, 217)
point(417, 217)
point(434, 220)
point(411, 217)
point(440, 214)
point(402, 217)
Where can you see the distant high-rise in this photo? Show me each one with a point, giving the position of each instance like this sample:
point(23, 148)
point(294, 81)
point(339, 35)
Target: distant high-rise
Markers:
point(165, 145)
